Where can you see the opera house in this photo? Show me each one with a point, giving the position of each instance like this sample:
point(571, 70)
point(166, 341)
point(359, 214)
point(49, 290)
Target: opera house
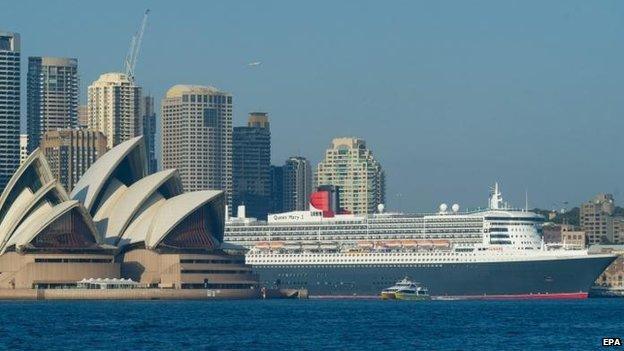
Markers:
point(118, 222)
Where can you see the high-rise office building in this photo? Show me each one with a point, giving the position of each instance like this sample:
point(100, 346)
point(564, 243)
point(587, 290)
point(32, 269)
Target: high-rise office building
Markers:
point(251, 166)
point(113, 108)
point(9, 105)
point(70, 152)
point(52, 96)
point(350, 166)
point(277, 189)
point(148, 129)
point(23, 147)
point(197, 137)
point(297, 173)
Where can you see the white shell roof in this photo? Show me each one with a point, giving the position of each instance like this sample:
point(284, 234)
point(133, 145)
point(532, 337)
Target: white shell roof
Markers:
point(25, 202)
point(136, 212)
point(132, 199)
point(173, 211)
point(18, 209)
point(35, 156)
point(39, 221)
point(139, 228)
point(92, 181)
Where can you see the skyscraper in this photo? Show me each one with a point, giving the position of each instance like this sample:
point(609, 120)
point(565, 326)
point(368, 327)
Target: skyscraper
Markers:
point(197, 137)
point(251, 163)
point(9, 105)
point(350, 166)
point(113, 108)
point(70, 152)
point(277, 189)
point(52, 92)
point(148, 129)
point(297, 173)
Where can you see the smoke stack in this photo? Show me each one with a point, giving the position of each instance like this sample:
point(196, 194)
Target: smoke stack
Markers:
point(241, 212)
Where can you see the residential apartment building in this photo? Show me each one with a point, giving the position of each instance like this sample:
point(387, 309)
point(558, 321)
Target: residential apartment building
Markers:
point(598, 220)
point(113, 108)
point(350, 166)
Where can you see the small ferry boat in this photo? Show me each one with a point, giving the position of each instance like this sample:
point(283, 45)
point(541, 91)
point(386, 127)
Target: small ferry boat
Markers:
point(405, 290)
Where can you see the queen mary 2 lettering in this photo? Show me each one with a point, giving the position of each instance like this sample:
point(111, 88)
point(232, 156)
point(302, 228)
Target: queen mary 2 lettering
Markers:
point(497, 252)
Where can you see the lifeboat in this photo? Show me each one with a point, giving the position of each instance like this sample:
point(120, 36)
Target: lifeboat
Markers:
point(263, 245)
point(425, 243)
point(292, 246)
point(393, 243)
point(441, 243)
point(276, 244)
point(329, 246)
point(410, 243)
point(365, 244)
point(381, 244)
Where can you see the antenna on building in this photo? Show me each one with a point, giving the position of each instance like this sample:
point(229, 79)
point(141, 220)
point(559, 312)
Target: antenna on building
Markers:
point(526, 200)
point(135, 47)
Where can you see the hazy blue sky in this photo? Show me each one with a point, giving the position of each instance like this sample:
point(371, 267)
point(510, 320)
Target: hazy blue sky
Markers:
point(450, 95)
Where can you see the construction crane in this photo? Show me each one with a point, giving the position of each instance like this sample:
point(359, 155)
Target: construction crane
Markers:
point(135, 47)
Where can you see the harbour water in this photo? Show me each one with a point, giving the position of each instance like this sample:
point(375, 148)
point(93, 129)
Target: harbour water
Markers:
point(310, 325)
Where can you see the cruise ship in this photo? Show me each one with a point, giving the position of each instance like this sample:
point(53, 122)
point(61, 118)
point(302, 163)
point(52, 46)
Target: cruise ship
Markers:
point(495, 252)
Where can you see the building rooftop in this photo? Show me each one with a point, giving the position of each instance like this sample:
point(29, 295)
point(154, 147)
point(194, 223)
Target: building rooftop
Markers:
point(113, 77)
point(56, 61)
point(180, 89)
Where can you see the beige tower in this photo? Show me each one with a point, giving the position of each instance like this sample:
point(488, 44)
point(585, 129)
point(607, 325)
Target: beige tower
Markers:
point(113, 108)
point(350, 166)
point(197, 137)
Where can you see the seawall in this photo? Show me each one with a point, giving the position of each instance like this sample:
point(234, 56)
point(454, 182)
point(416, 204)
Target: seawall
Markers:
point(127, 294)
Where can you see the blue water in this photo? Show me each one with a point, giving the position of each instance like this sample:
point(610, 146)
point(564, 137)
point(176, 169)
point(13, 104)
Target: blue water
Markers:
point(310, 325)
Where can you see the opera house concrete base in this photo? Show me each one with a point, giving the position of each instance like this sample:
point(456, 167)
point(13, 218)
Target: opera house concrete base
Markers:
point(39, 271)
point(215, 270)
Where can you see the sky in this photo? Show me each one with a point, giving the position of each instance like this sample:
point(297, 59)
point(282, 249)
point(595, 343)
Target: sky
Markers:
point(451, 96)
